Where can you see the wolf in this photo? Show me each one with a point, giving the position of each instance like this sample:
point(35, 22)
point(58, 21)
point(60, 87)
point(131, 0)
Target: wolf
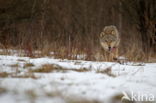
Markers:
point(110, 40)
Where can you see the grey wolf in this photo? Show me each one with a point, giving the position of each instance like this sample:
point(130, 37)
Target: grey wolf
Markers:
point(110, 40)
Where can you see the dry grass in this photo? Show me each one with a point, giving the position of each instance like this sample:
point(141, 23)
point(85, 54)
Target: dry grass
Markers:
point(5, 52)
point(134, 54)
point(32, 95)
point(107, 71)
point(132, 51)
point(26, 75)
point(76, 100)
point(2, 90)
point(46, 68)
point(118, 99)
point(53, 67)
point(28, 65)
point(81, 70)
point(21, 60)
point(4, 74)
point(14, 65)
point(14, 75)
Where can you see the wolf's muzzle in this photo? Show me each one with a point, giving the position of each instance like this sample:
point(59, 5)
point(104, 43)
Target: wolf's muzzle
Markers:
point(109, 48)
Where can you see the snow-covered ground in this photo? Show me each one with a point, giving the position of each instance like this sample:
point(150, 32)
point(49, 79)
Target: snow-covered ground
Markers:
point(49, 80)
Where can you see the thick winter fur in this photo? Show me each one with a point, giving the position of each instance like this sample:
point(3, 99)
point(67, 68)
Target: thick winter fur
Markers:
point(109, 40)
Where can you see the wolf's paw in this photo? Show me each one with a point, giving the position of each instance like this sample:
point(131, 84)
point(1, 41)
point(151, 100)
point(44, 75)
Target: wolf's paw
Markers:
point(122, 60)
point(115, 59)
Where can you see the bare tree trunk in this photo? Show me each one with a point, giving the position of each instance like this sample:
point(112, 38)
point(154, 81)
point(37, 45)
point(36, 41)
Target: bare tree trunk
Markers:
point(42, 21)
point(120, 17)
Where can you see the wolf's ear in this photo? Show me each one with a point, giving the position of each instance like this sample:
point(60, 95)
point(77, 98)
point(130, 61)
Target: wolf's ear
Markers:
point(102, 34)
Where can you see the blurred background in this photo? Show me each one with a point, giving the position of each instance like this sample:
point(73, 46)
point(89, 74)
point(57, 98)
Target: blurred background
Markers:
point(71, 27)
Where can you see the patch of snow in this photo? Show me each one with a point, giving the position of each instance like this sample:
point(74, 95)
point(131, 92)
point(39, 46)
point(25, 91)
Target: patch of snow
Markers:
point(64, 87)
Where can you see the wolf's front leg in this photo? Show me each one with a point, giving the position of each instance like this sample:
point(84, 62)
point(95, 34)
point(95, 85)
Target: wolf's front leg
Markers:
point(115, 55)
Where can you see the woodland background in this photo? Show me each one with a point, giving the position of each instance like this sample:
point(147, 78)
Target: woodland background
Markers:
point(72, 27)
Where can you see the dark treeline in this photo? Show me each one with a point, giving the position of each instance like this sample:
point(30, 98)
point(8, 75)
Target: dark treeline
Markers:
point(73, 26)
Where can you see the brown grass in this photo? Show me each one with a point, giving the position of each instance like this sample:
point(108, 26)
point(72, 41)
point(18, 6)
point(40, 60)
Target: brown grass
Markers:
point(14, 75)
point(76, 100)
point(4, 52)
point(46, 68)
point(4, 74)
point(107, 71)
point(14, 65)
point(21, 60)
point(53, 67)
point(27, 75)
point(31, 94)
point(118, 99)
point(2, 90)
point(28, 65)
point(135, 54)
point(81, 70)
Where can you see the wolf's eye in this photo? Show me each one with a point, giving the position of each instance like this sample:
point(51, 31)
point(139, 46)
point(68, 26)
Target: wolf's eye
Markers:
point(103, 40)
point(113, 32)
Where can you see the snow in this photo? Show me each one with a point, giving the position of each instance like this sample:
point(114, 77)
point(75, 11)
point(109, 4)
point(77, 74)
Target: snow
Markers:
point(100, 83)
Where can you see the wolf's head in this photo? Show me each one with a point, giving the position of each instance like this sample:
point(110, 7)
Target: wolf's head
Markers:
point(109, 38)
